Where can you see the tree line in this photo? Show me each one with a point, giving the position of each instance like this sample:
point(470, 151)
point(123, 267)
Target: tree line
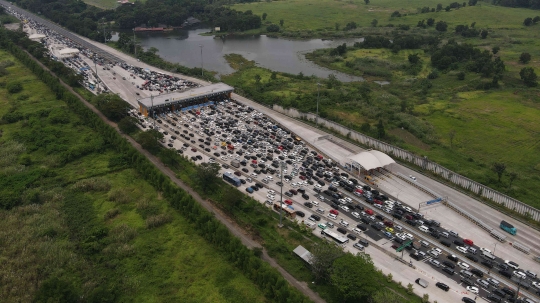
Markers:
point(267, 279)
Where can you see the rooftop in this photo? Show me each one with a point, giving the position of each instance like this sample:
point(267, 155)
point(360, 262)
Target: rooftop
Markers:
point(191, 94)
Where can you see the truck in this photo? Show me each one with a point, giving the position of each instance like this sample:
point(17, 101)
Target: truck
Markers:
point(507, 227)
point(235, 163)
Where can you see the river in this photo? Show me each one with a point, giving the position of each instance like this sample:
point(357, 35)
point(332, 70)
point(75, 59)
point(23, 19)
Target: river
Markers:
point(283, 55)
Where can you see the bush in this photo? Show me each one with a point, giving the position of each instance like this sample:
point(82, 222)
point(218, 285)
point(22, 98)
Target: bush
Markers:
point(157, 221)
point(461, 76)
point(94, 184)
point(111, 213)
point(525, 58)
point(273, 28)
point(14, 88)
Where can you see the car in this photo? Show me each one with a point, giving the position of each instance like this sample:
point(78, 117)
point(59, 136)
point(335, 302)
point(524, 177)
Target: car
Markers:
point(300, 213)
point(473, 289)
point(536, 284)
point(487, 263)
point(462, 249)
point(435, 263)
point(471, 257)
point(388, 235)
point(442, 286)
point(477, 272)
point(288, 202)
point(435, 254)
point(512, 264)
point(357, 230)
point(530, 274)
point(343, 223)
point(322, 226)
point(352, 237)
point(464, 265)
point(390, 230)
point(519, 274)
point(356, 215)
point(505, 273)
point(358, 246)
point(509, 291)
point(314, 217)
point(467, 300)
point(308, 204)
point(449, 264)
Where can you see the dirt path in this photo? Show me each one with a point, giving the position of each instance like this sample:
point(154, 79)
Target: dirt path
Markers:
point(228, 222)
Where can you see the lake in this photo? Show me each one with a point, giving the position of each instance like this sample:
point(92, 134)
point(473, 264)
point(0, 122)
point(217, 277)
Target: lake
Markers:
point(184, 47)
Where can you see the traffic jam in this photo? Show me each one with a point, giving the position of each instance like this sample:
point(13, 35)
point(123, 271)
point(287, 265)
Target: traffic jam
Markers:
point(254, 151)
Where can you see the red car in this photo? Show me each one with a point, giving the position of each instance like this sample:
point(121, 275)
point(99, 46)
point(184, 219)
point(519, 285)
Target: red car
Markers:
point(254, 161)
point(468, 242)
point(359, 191)
point(377, 202)
point(335, 212)
point(288, 202)
point(302, 178)
point(194, 150)
point(408, 217)
point(389, 223)
point(237, 173)
point(369, 212)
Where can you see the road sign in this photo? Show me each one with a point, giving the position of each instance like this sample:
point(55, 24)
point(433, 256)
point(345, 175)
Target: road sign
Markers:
point(403, 246)
point(433, 201)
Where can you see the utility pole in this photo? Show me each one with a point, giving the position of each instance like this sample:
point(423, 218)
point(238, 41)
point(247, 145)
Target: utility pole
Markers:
point(153, 112)
point(282, 165)
point(104, 37)
point(318, 98)
point(202, 71)
point(519, 286)
point(134, 44)
point(97, 78)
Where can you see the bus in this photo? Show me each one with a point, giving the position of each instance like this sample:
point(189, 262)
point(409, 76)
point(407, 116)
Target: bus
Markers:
point(507, 227)
point(339, 239)
point(289, 212)
point(232, 179)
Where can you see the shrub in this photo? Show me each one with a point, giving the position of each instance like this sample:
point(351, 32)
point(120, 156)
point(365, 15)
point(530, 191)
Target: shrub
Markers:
point(119, 195)
point(14, 88)
point(272, 28)
point(157, 221)
point(111, 213)
point(93, 184)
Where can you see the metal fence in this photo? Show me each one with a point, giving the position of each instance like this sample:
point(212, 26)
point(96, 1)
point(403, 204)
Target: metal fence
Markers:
point(422, 162)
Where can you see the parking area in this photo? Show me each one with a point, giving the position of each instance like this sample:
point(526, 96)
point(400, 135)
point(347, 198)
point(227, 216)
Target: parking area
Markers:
point(251, 149)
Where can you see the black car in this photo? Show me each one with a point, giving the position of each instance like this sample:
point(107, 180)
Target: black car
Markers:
point(300, 213)
point(487, 263)
point(376, 227)
point(453, 258)
point(242, 181)
point(435, 235)
point(499, 293)
point(459, 243)
point(305, 196)
point(506, 273)
point(449, 264)
point(411, 222)
point(352, 237)
point(509, 291)
point(364, 242)
point(467, 282)
point(398, 240)
point(494, 298)
point(361, 227)
point(446, 243)
point(316, 217)
point(342, 230)
point(477, 272)
point(381, 218)
point(308, 205)
point(448, 270)
point(365, 220)
point(468, 300)
point(335, 206)
point(397, 216)
point(471, 257)
point(442, 286)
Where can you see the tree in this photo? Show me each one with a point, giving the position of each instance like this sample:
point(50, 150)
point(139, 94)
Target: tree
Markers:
point(112, 106)
point(281, 22)
point(528, 76)
point(425, 298)
point(439, 7)
point(441, 26)
point(395, 14)
point(366, 1)
point(484, 34)
point(380, 130)
point(473, 2)
point(14, 87)
point(499, 168)
point(273, 76)
point(257, 79)
point(56, 290)
point(206, 175)
point(461, 76)
point(272, 28)
point(495, 50)
point(323, 256)
point(264, 15)
point(231, 198)
point(473, 24)
point(447, 9)
point(414, 58)
point(128, 125)
point(354, 278)
point(525, 58)
point(410, 288)
point(374, 22)
point(149, 140)
point(430, 21)
point(512, 176)
point(528, 21)
point(385, 296)
point(536, 19)
point(365, 128)
point(451, 136)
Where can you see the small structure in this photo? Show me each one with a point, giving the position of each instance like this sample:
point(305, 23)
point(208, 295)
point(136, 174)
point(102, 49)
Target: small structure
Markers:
point(303, 253)
point(36, 37)
point(68, 52)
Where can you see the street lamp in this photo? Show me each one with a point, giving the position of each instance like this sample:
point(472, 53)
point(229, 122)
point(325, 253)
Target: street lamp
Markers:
point(134, 45)
point(282, 166)
point(202, 71)
point(318, 98)
point(519, 286)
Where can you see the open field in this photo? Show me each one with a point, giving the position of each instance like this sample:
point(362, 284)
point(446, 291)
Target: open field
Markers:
point(75, 221)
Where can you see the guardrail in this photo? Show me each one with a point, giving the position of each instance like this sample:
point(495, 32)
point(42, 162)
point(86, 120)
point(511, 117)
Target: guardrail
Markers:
point(521, 247)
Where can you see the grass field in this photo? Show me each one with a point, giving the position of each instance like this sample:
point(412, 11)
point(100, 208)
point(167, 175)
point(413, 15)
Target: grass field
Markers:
point(42, 237)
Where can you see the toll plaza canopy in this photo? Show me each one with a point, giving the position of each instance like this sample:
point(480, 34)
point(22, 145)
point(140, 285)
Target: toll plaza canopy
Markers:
point(185, 98)
point(372, 159)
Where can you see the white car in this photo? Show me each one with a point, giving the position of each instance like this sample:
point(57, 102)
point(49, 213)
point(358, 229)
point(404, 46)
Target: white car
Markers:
point(464, 265)
point(272, 192)
point(357, 230)
point(462, 249)
point(512, 264)
point(254, 175)
point(315, 203)
point(358, 246)
point(378, 206)
point(345, 208)
point(438, 250)
point(348, 199)
point(270, 197)
point(269, 178)
point(409, 236)
point(398, 227)
point(332, 216)
point(520, 274)
point(356, 215)
point(536, 284)
point(485, 250)
point(343, 223)
point(472, 289)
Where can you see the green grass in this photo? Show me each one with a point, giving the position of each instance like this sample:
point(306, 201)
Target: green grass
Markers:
point(170, 263)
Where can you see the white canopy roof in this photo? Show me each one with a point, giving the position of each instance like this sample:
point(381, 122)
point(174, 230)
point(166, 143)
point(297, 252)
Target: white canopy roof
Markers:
point(36, 36)
point(68, 51)
point(372, 159)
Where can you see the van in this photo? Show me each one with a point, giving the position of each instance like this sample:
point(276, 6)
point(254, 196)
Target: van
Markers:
point(488, 255)
point(466, 273)
point(423, 228)
point(422, 282)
